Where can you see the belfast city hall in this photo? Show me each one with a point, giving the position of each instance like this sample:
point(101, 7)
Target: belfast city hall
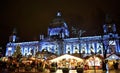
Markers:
point(59, 42)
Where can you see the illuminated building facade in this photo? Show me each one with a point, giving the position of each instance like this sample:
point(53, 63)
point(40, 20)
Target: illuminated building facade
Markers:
point(59, 42)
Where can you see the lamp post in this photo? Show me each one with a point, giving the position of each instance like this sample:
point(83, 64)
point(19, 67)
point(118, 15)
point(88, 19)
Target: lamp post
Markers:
point(94, 63)
point(78, 33)
point(106, 42)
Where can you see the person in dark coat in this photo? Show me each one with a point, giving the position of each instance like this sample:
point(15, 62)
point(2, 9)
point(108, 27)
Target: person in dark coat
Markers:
point(104, 66)
point(116, 65)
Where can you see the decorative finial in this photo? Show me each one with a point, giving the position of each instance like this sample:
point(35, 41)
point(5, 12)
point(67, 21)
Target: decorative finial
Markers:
point(58, 13)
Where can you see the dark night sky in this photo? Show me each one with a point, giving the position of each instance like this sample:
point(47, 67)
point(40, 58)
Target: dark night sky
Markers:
point(32, 17)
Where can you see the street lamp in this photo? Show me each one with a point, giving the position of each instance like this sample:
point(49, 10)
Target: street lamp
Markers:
point(78, 33)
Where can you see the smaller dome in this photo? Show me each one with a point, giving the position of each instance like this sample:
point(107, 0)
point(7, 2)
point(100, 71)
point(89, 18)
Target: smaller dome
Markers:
point(58, 21)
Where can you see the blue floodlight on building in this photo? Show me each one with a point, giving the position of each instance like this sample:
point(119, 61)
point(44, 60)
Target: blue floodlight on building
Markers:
point(59, 42)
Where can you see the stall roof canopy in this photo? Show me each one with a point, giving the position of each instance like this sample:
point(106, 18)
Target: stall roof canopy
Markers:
point(66, 56)
point(113, 57)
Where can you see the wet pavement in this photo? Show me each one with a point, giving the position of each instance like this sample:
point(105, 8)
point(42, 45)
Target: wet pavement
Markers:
point(72, 71)
point(101, 71)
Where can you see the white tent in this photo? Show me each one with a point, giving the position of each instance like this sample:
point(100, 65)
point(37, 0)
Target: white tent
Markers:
point(113, 57)
point(93, 61)
point(66, 56)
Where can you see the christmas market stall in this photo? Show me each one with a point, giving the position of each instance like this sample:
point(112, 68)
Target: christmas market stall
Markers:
point(68, 61)
point(93, 62)
point(113, 59)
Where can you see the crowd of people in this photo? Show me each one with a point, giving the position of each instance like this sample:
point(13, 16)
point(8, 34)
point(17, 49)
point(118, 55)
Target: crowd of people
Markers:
point(105, 65)
point(12, 64)
point(18, 65)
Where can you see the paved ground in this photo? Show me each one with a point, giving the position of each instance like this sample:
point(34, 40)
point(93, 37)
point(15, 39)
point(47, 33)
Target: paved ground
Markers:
point(100, 71)
point(74, 71)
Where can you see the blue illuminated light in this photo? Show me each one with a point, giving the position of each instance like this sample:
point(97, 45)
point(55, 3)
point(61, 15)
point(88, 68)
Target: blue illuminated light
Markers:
point(58, 14)
point(64, 44)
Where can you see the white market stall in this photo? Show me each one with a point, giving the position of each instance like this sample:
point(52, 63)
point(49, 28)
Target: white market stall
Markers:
point(92, 62)
point(67, 61)
point(66, 56)
point(113, 58)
